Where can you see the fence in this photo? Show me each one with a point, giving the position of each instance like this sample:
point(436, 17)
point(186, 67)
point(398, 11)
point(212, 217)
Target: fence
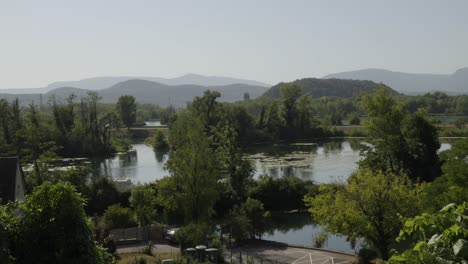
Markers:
point(141, 233)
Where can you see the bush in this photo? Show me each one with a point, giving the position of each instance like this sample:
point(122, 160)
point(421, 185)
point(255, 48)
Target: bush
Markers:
point(159, 141)
point(118, 217)
point(193, 235)
point(365, 255)
point(283, 193)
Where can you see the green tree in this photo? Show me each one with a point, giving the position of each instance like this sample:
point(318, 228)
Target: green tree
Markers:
point(238, 224)
point(54, 228)
point(206, 108)
point(192, 167)
point(290, 93)
point(117, 216)
point(127, 109)
point(159, 140)
point(370, 206)
point(282, 194)
point(259, 219)
point(102, 194)
point(436, 238)
point(452, 186)
point(37, 142)
point(192, 235)
point(403, 142)
point(8, 230)
point(142, 200)
point(306, 112)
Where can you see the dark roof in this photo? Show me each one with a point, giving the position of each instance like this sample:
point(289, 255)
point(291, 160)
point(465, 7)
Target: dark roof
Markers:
point(8, 168)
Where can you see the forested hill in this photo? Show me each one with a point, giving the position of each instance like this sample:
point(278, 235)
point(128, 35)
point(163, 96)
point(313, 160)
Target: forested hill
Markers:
point(329, 87)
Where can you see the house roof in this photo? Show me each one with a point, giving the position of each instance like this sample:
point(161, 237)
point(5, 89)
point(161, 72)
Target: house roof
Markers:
point(8, 167)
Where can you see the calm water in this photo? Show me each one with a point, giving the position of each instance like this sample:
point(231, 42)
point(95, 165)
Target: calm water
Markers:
point(141, 165)
point(300, 229)
point(321, 162)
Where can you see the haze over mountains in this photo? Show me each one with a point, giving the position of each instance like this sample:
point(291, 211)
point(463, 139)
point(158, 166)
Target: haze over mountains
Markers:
point(412, 83)
point(146, 91)
point(100, 83)
point(178, 91)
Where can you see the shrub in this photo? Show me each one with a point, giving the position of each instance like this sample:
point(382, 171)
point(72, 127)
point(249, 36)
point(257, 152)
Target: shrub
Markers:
point(159, 141)
point(283, 193)
point(116, 216)
point(193, 235)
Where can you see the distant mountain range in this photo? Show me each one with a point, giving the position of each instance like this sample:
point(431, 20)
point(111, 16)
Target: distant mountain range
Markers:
point(412, 83)
point(329, 87)
point(146, 91)
point(178, 91)
point(101, 83)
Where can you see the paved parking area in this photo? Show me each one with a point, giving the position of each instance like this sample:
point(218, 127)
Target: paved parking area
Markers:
point(271, 253)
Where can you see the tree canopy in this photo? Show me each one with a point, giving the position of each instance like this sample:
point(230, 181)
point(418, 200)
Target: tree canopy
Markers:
point(369, 206)
point(55, 229)
point(402, 142)
point(127, 109)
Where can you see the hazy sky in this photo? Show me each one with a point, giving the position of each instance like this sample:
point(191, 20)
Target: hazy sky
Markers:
point(271, 41)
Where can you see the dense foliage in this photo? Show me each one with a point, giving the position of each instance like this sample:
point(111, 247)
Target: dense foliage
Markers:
point(127, 109)
point(403, 142)
point(329, 87)
point(436, 238)
point(117, 216)
point(68, 129)
point(279, 194)
point(452, 185)
point(369, 206)
point(54, 228)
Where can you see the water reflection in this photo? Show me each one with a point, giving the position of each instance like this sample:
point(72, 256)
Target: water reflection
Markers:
point(320, 162)
point(142, 164)
point(300, 229)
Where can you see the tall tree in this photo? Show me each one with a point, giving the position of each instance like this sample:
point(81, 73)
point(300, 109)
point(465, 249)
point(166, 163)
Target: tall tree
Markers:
point(192, 167)
point(206, 107)
point(127, 108)
point(370, 206)
point(403, 142)
point(290, 93)
point(142, 200)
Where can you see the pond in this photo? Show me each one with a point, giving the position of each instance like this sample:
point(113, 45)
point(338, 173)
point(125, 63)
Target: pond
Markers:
point(321, 162)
